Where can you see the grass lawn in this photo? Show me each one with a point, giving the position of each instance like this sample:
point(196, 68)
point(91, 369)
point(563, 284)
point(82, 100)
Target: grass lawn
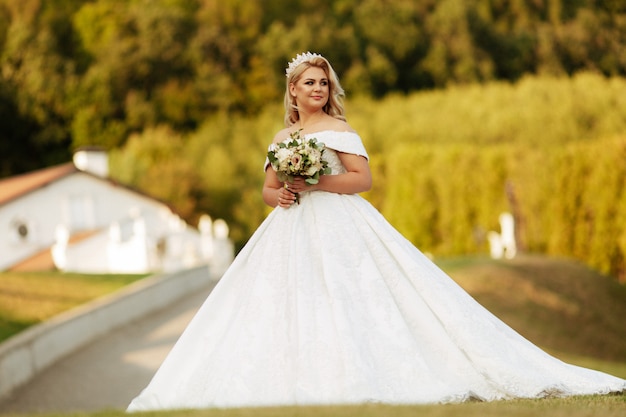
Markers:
point(586, 406)
point(558, 304)
point(28, 298)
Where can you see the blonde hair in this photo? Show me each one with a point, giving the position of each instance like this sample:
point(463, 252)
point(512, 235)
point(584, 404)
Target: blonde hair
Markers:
point(334, 106)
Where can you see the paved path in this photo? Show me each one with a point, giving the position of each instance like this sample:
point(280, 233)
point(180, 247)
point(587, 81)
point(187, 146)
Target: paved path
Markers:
point(108, 373)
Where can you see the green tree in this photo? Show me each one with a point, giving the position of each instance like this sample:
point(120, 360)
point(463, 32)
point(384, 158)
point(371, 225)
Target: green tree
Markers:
point(37, 80)
point(138, 62)
point(222, 51)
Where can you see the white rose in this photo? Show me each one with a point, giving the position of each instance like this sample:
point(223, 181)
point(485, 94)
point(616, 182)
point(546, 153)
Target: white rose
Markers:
point(311, 171)
point(315, 156)
point(283, 154)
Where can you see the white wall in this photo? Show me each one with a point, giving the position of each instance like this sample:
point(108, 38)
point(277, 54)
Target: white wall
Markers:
point(79, 201)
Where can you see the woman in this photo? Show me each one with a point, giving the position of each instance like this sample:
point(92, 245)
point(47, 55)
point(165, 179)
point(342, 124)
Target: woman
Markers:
point(328, 304)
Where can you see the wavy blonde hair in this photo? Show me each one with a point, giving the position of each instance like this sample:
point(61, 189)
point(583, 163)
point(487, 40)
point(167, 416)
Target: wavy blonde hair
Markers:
point(334, 106)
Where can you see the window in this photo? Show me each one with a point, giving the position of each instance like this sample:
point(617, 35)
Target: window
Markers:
point(21, 231)
point(79, 212)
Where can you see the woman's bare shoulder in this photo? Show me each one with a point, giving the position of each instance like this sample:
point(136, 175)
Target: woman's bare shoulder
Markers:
point(282, 135)
point(340, 126)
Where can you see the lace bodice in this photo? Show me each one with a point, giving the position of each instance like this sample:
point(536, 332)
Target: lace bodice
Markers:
point(334, 162)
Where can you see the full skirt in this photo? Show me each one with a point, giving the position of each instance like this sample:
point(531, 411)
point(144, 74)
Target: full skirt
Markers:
point(328, 304)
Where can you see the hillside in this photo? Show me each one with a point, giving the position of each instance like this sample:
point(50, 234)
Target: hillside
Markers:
point(558, 304)
point(29, 298)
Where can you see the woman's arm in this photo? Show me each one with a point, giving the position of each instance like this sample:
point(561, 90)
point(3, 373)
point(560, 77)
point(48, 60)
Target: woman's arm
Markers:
point(357, 179)
point(274, 192)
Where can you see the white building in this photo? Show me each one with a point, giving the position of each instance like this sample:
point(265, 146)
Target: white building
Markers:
point(73, 217)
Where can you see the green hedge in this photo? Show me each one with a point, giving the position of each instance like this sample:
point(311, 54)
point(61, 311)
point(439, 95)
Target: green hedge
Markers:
point(567, 200)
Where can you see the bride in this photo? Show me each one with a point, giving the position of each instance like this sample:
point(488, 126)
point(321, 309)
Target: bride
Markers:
point(328, 304)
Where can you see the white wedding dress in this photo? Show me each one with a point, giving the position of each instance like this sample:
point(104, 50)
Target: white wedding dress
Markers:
point(328, 304)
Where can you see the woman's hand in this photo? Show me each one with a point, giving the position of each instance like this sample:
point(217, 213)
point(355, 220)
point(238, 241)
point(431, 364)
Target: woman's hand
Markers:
point(275, 194)
point(298, 185)
point(286, 197)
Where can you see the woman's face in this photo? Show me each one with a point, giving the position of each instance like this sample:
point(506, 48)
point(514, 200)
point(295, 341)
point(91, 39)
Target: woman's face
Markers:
point(311, 90)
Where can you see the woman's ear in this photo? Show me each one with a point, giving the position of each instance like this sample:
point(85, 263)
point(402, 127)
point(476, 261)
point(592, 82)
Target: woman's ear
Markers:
point(292, 89)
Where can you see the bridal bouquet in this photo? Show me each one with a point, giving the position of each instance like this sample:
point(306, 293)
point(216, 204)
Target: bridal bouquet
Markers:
point(298, 156)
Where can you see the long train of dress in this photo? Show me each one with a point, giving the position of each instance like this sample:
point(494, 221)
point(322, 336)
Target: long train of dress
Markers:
point(328, 304)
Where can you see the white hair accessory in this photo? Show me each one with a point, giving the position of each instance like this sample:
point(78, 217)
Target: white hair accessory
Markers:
point(299, 59)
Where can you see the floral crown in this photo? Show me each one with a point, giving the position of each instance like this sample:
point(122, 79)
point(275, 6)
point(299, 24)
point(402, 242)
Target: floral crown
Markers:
point(299, 59)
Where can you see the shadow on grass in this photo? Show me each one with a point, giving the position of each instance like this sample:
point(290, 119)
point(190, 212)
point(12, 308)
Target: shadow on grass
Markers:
point(557, 304)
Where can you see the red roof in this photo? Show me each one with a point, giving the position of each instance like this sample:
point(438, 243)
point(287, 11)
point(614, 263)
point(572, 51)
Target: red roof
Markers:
point(14, 187)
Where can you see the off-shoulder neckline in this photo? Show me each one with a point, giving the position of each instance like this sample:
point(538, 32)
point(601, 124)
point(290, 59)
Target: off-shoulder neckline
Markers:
point(320, 132)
